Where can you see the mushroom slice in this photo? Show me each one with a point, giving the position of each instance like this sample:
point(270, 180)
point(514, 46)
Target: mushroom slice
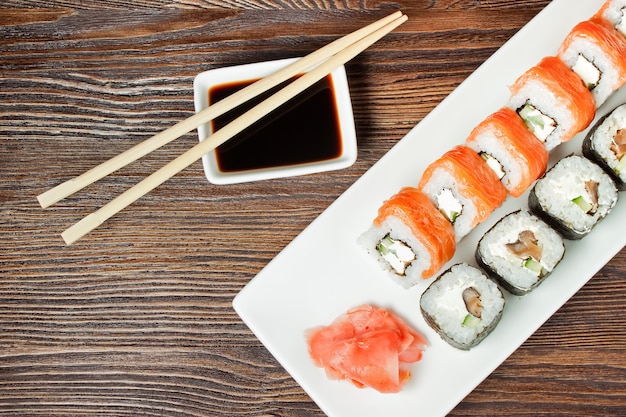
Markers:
point(526, 246)
point(471, 298)
point(619, 143)
point(592, 189)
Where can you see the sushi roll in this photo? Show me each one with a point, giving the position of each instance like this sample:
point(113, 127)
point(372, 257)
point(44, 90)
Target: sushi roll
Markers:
point(410, 238)
point(520, 251)
point(597, 53)
point(573, 196)
point(463, 188)
point(462, 305)
point(553, 102)
point(613, 11)
point(510, 149)
point(605, 144)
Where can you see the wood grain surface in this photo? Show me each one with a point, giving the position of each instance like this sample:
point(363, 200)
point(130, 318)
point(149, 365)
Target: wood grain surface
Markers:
point(136, 318)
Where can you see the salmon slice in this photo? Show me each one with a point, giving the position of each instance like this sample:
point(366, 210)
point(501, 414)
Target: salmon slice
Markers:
point(368, 346)
point(563, 83)
point(426, 223)
point(599, 32)
point(528, 155)
point(603, 9)
point(474, 180)
point(612, 11)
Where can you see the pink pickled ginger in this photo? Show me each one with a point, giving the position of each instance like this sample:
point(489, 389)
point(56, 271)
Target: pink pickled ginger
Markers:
point(369, 346)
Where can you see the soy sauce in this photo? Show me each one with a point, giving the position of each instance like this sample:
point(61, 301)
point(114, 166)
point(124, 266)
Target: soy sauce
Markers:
point(303, 130)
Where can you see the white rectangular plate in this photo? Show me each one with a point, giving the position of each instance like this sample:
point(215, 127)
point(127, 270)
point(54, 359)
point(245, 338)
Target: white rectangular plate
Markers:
point(322, 273)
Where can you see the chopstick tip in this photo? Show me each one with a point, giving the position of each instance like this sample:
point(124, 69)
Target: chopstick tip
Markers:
point(45, 200)
point(80, 229)
point(41, 202)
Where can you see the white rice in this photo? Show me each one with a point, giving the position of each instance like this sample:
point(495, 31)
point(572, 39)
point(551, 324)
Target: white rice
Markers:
point(443, 306)
point(539, 95)
point(566, 181)
point(487, 141)
point(614, 15)
point(509, 267)
point(602, 137)
point(610, 76)
point(397, 230)
point(443, 179)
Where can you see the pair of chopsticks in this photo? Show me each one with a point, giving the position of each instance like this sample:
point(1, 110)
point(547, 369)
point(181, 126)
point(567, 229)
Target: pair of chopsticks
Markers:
point(319, 63)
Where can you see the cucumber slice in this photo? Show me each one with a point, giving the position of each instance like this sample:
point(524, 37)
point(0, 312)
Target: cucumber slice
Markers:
point(452, 216)
point(540, 124)
point(471, 321)
point(385, 246)
point(398, 254)
point(582, 203)
point(532, 265)
point(532, 117)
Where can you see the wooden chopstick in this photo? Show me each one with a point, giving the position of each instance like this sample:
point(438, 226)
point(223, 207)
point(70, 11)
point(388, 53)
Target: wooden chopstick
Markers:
point(98, 217)
point(73, 185)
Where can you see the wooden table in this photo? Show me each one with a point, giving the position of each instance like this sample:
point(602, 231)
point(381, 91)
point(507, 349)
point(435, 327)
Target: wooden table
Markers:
point(136, 319)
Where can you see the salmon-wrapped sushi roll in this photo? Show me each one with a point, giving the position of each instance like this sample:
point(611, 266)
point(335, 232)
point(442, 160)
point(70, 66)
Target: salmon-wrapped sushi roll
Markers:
point(463, 188)
point(553, 102)
point(510, 150)
point(613, 11)
point(410, 238)
point(597, 53)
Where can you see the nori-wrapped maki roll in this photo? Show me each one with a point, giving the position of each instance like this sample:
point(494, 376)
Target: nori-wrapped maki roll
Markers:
point(520, 251)
point(462, 305)
point(605, 144)
point(573, 196)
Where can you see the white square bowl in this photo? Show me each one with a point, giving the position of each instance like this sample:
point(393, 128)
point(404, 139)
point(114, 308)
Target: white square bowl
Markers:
point(206, 80)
